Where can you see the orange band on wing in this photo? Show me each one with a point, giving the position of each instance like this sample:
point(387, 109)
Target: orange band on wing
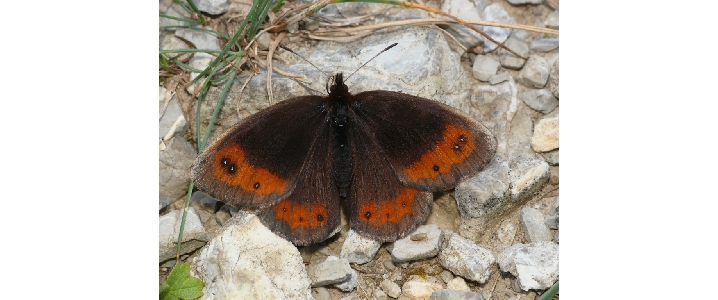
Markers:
point(297, 215)
point(231, 168)
point(456, 145)
point(389, 211)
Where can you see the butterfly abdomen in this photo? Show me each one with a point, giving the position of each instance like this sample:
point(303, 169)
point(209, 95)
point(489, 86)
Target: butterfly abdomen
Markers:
point(341, 149)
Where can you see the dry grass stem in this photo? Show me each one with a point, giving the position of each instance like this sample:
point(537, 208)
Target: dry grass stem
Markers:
point(272, 47)
point(375, 27)
point(239, 96)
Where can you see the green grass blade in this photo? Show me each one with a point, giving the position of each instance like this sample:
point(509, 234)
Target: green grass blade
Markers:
point(179, 19)
point(550, 293)
point(219, 34)
point(218, 107)
point(190, 51)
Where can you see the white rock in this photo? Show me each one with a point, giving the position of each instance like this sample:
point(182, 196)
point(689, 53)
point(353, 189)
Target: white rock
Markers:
point(465, 258)
point(553, 79)
point(465, 10)
point(509, 60)
point(484, 67)
point(544, 45)
point(450, 294)
point(247, 261)
point(350, 284)
point(499, 78)
point(532, 221)
point(552, 20)
point(213, 7)
point(520, 2)
point(457, 283)
point(545, 137)
point(358, 249)
point(169, 230)
point(418, 288)
point(535, 72)
point(539, 99)
point(530, 180)
point(174, 164)
point(407, 250)
point(496, 13)
point(535, 265)
point(390, 288)
point(330, 271)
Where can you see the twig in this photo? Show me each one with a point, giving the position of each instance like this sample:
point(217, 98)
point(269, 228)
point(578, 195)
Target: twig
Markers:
point(552, 3)
point(451, 36)
point(273, 46)
point(437, 21)
point(337, 39)
point(258, 34)
point(239, 97)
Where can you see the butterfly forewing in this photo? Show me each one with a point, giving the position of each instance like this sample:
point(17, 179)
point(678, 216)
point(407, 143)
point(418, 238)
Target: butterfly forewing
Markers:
point(256, 163)
point(430, 145)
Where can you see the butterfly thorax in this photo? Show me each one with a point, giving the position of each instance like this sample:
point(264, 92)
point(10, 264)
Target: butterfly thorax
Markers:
point(339, 92)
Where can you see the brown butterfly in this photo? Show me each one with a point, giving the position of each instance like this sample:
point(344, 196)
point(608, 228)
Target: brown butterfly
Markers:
point(381, 153)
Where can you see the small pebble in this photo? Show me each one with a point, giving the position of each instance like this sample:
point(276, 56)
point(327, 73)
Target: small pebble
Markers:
point(510, 61)
point(553, 79)
point(552, 20)
point(485, 67)
point(541, 100)
point(449, 294)
point(457, 283)
point(390, 288)
point(321, 293)
point(418, 288)
point(551, 157)
point(535, 73)
point(418, 236)
point(213, 7)
point(446, 276)
point(495, 12)
point(545, 137)
point(389, 265)
point(552, 222)
point(332, 270)
point(499, 78)
point(532, 221)
point(544, 45)
point(521, 2)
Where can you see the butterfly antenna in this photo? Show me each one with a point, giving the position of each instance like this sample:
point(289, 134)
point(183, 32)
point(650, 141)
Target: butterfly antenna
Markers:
point(303, 58)
point(382, 51)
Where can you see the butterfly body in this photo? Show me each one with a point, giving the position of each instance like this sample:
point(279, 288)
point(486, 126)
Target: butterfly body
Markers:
point(381, 153)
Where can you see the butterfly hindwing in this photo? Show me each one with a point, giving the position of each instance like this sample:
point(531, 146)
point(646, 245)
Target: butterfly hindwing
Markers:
point(311, 213)
point(256, 163)
point(430, 145)
point(378, 204)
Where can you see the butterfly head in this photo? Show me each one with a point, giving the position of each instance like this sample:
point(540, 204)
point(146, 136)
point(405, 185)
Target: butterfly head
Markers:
point(338, 91)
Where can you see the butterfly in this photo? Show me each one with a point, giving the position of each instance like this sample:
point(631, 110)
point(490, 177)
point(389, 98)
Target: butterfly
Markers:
point(380, 153)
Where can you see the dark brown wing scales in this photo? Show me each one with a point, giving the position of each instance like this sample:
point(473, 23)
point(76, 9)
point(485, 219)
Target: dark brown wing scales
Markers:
point(379, 205)
point(430, 145)
point(311, 213)
point(257, 162)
